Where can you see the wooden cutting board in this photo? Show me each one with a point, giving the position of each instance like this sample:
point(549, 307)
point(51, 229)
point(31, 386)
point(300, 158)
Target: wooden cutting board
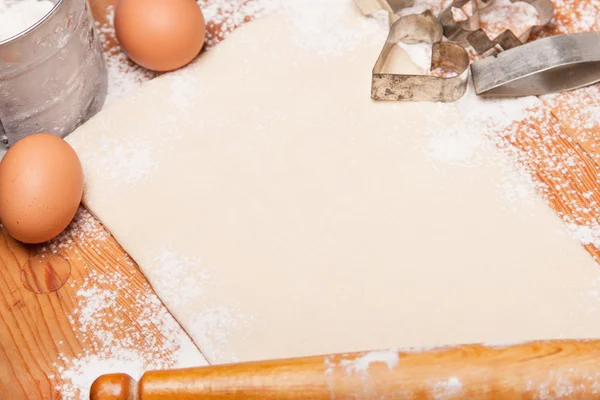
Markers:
point(42, 319)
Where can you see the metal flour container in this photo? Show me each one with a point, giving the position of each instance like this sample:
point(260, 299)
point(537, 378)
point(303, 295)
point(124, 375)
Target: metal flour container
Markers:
point(52, 76)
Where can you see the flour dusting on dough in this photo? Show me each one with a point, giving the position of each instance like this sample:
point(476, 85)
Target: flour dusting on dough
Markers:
point(323, 26)
point(471, 139)
point(183, 279)
point(585, 234)
point(183, 282)
point(518, 187)
point(118, 344)
point(589, 298)
point(213, 327)
point(221, 16)
point(464, 128)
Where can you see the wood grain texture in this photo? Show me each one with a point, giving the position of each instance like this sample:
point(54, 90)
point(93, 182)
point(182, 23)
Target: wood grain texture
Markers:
point(551, 369)
point(39, 334)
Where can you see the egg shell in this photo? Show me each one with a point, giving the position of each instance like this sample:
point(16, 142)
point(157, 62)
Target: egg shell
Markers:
point(160, 35)
point(41, 186)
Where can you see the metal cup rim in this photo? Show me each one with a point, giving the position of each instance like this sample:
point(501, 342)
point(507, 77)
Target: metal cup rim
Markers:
point(34, 26)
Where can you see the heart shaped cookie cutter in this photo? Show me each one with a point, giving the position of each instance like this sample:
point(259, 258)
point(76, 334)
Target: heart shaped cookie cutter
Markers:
point(392, 7)
point(469, 31)
point(421, 28)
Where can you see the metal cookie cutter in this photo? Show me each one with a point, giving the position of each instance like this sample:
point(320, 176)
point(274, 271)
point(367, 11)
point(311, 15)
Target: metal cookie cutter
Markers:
point(470, 31)
point(550, 65)
point(368, 7)
point(458, 31)
point(418, 28)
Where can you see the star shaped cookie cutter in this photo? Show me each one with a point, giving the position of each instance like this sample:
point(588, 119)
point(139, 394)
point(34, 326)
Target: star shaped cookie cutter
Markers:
point(469, 31)
point(421, 28)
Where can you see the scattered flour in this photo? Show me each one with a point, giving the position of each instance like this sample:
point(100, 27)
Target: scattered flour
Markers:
point(18, 15)
point(586, 234)
point(521, 15)
point(465, 126)
point(101, 319)
point(221, 16)
point(362, 364)
point(446, 389)
point(419, 53)
point(117, 343)
point(503, 344)
point(457, 143)
point(525, 129)
point(462, 130)
point(183, 282)
point(213, 327)
point(185, 277)
point(123, 75)
point(132, 160)
point(84, 230)
point(590, 298)
point(563, 384)
point(322, 26)
point(454, 141)
point(574, 16)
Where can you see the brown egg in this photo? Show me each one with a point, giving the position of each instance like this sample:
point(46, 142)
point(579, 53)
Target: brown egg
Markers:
point(161, 35)
point(41, 184)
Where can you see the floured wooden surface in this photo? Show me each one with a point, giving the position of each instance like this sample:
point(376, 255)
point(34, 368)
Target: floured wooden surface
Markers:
point(54, 343)
point(303, 218)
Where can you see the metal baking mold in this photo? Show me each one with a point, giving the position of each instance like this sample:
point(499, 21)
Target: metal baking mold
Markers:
point(419, 28)
point(368, 7)
point(469, 30)
point(458, 31)
point(550, 65)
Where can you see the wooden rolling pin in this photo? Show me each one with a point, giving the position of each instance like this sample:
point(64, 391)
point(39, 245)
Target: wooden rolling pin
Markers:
point(560, 369)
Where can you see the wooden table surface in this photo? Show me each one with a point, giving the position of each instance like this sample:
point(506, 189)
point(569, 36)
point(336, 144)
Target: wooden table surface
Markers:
point(43, 322)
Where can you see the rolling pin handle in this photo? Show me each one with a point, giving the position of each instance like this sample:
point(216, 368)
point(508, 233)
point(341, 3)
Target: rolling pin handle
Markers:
point(114, 387)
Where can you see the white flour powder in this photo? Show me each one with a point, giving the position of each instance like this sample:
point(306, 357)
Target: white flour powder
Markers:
point(362, 364)
point(99, 314)
point(18, 15)
point(221, 16)
point(104, 303)
point(446, 389)
point(457, 144)
point(586, 234)
point(189, 279)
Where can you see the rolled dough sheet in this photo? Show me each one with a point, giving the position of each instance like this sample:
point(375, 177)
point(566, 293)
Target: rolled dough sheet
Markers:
point(279, 212)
